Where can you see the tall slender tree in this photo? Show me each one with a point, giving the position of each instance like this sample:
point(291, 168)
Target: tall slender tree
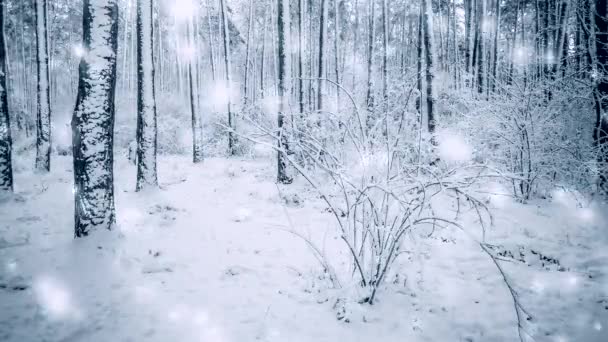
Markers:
point(429, 58)
point(43, 113)
point(227, 77)
point(6, 144)
point(283, 28)
point(601, 123)
point(146, 98)
point(93, 119)
point(321, 61)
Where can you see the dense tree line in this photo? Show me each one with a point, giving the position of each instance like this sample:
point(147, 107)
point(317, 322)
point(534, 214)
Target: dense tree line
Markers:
point(319, 59)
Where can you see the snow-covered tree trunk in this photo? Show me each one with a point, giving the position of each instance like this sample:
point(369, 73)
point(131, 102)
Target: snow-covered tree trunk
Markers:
point(322, 43)
point(301, 56)
point(601, 125)
point(469, 12)
point(146, 98)
point(337, 52)
point(385, 37)
point(247, 54)
point(197, 128)
point(6, 168)
point(283, 28)
point(419, 50)
point(43, 113)
point(495, 52)
point(227, 77)
point(93, 119)
point(481, 53)
point(429, 50)
point(371, 38)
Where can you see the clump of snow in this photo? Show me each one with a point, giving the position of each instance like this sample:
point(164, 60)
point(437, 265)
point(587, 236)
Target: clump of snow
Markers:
point(453, 147)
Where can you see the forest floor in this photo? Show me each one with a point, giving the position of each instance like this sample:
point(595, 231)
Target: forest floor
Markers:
point(209, 258)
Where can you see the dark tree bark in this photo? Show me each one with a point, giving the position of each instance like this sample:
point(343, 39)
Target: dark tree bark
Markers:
point(284, 87)
point(429, 58)
point(146, 99)
point(322, 39)
point(601, 125)
point(93, 120)
point(43, 113)
point(6, 168)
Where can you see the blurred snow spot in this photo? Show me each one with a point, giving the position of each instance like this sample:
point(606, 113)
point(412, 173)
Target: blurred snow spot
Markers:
point(453, 147)
point(11, 266)
point(270, 104)
point(174, 315)
point(54, 298)
point(200, 318)
point(538, 286)
point(586, 214)
point(597, 326)
point(572, 280)
point(144, 294)
point(242, 214)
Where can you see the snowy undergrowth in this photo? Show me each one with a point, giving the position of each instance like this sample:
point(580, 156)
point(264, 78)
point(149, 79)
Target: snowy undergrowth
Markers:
point(209, 258)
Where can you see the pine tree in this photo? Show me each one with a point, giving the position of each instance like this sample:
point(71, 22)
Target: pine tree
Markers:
point(93, 119)
point(146, 99)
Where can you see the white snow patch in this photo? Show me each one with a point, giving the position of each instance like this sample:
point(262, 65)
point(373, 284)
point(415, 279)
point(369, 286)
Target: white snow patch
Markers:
point(54, 298)
point(453, 147)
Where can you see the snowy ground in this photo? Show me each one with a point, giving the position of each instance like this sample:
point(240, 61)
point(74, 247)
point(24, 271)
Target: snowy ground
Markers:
point(207, 258)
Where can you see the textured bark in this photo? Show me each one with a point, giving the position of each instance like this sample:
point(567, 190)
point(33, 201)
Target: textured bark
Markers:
point(371, 38)
point(429, 50)
point(93, 120)
point(419, 63)
point(481, 53)
point(43, 112)
point(146, 99)
point(337, 52)
point(284, 79)
point(467, 28)
point(601, 125)
point(227, 77)
point(385, 37)
point(247, 53)
point(322, 39)
point(6, 168)
point(197, 126)
point(495, 52)
point(301, 56)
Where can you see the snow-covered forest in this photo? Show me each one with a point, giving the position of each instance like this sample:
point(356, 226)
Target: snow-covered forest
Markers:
point(304, 170)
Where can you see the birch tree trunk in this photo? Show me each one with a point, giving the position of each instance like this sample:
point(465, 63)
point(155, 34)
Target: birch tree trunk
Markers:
point(283, 28)
point(93, 120)
point(43, 112)
point(146, 98)
point(6, 167)
point(337, 52)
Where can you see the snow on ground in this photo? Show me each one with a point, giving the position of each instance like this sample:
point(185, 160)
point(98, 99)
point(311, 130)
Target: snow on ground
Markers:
point(208, 258)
